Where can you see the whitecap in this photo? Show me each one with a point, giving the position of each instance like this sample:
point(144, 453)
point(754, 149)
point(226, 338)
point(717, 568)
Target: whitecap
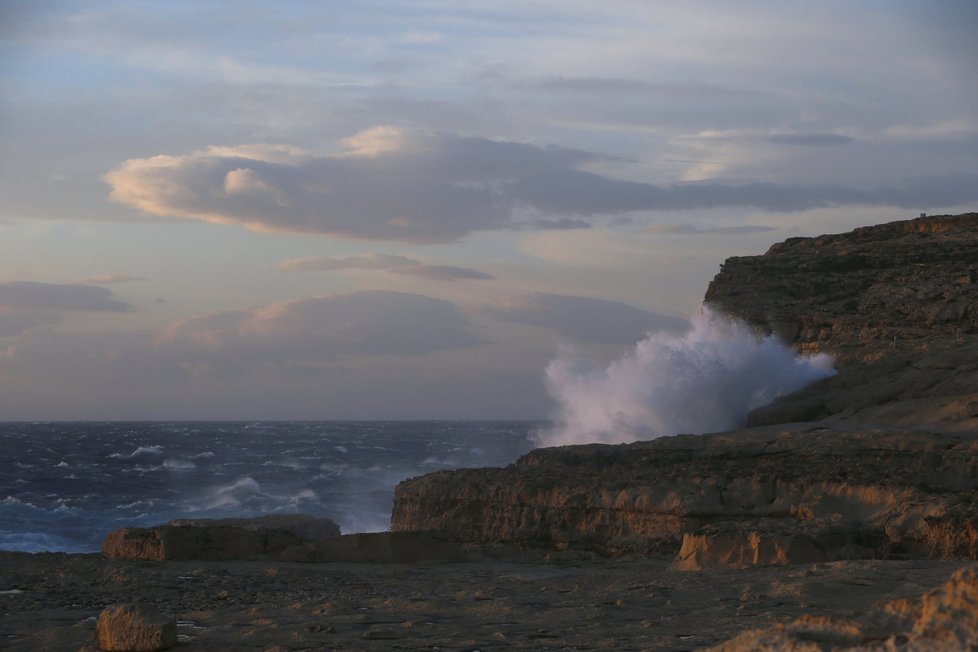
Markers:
point(147, 450)
point(434, 461)
point(178, 465)
point(231, 495)
point(11, 501)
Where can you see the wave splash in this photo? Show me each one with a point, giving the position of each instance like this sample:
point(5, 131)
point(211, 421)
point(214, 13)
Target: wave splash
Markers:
point(705, 380)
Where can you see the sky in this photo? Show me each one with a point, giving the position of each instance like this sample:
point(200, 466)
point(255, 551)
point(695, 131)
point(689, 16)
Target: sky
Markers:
point(406, 210)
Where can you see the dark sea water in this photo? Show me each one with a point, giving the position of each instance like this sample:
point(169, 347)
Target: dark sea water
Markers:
point(64, 486)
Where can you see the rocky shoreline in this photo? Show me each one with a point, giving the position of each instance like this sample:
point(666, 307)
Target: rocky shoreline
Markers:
point(845, 517)
point(514, 600)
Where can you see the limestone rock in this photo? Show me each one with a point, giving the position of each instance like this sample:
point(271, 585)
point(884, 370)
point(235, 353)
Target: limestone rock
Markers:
point(853, 492)
point(135, 628)
point(218, 540)
point(896, 304)
point(743, 549)
point(853, 293)
point(943, 619)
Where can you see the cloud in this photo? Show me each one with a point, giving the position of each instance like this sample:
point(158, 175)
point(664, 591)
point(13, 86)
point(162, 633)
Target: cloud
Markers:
point(28, 304)
point(55, 296)
point(686, 229)
point(413, 185)
point(388, 183)
point(562, 224)
point(304, 332)
point(442, 273)
point(394, 264)
point(104, 279)
point(815, 140)
point(584, 319)
point(360, 261)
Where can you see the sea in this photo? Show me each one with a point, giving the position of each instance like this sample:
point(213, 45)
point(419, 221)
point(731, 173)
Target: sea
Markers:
point(65, 485)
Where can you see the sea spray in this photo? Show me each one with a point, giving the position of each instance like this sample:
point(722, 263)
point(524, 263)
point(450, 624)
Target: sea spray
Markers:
point(705, 380)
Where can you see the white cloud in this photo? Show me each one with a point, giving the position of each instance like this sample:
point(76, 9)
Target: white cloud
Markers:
point(421, 186)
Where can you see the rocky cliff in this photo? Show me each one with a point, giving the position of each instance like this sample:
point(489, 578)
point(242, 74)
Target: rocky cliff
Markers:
point(902, 286)
point(759, 496)
point(898, 305)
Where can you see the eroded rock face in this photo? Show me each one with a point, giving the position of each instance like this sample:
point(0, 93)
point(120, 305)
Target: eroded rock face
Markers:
point(848, 492)
point(943, 619)
point(896, 304)
point(219, 539)
point(135, 628)
point(852, 293)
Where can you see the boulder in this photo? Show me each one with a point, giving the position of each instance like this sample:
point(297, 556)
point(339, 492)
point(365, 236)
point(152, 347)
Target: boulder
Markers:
point(135, 628)
point(219, 540)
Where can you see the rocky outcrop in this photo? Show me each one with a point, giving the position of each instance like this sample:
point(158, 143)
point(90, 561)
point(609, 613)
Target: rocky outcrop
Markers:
point(294, 538)
point(267, 537)
point(896, 304)
point(913, 283)
point(135, 628)
point(733, 548)
point(801, 492)
point(943, 619)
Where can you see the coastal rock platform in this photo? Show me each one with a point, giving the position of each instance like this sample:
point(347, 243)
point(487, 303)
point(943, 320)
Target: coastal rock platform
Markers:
point(812, 491)
point(516, 601)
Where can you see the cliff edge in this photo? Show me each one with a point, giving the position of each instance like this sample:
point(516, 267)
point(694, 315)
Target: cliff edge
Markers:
point(878, 461)
point(896, 304)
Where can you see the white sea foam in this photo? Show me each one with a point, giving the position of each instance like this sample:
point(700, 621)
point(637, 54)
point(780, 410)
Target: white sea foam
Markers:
point(705, 380)
point(11, 501)
point(147, 450)
point(179, 465)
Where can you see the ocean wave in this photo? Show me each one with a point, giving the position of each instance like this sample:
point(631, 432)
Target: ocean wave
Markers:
point(179, 465)
point(38, 542)
point(12, 501)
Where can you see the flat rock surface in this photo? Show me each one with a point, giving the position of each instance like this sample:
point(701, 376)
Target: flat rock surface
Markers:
point(51, 601)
